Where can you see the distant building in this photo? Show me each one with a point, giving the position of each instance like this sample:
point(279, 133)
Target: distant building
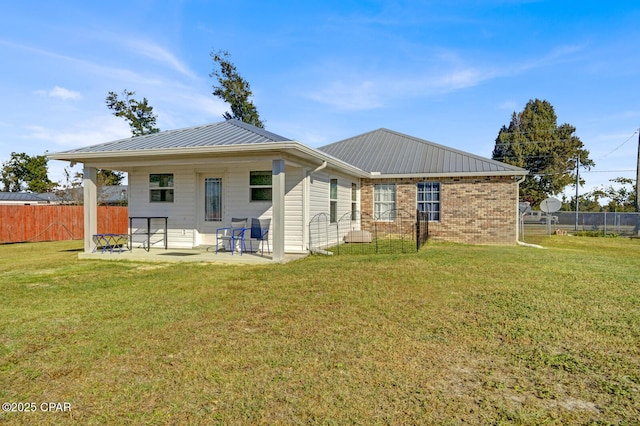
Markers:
point(22, 198)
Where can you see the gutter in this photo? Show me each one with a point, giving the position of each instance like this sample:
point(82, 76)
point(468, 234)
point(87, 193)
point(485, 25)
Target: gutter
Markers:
point(378, 175)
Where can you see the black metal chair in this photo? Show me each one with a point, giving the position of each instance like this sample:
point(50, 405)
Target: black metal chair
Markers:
point(260, 232)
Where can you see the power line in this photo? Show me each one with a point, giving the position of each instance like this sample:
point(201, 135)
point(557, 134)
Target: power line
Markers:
point(540, 141)
point(582, 172)
point(619, 146)
point(608, 171)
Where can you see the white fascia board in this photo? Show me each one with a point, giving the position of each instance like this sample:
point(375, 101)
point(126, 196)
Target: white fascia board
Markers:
point(441, 175)
point(295, 148)
point(162, 152)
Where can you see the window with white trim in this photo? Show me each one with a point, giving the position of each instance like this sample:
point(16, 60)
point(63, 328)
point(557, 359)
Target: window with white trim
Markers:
point(333, 200)
point(384, 202)
point(161, 188)
point(260, 185)
point(429, 199)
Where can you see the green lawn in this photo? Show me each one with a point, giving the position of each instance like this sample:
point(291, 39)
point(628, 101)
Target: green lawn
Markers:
point(452, 334)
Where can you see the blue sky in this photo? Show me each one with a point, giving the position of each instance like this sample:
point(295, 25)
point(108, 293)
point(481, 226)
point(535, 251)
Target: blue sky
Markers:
point(448, 71)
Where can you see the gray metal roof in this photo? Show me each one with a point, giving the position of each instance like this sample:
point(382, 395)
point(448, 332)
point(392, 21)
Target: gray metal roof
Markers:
point(389, 153)
point(21, 196)
point(230, 132)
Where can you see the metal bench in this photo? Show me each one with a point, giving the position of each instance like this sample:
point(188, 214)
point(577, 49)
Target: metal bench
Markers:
point(110, 242)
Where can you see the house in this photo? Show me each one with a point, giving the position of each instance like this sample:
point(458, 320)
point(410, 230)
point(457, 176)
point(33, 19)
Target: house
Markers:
point(199, 178)
point(22, 198)
point(468, 198)
point(108, 195)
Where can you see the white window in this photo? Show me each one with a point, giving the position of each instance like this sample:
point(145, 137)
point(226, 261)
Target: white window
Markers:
point(333, 200)
point(213, 200)
point(161, 188)
point(384, 202)
point(260, 184)
point(429, 199)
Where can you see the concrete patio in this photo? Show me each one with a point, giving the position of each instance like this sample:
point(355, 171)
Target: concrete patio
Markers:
point(198, 254)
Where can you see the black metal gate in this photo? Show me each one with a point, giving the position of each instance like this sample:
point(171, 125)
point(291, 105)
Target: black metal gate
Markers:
point(394, 231)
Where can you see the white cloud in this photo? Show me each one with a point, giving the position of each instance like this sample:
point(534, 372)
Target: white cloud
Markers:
point(449, 73)
point(460, 79)
point(350, 96)
point(508, 105)
point(64, 94)
point(160, 54)
point(375, 91)
point(87, 132)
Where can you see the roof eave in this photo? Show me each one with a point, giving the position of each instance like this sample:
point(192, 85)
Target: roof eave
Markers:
point(447, 174)
point(222, 149)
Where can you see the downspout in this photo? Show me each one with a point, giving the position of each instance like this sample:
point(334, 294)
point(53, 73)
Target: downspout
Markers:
point(317, 169)
point(521, 243)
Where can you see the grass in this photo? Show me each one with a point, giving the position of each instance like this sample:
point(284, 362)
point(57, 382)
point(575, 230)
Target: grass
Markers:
point(452, 334)
point(377, 246)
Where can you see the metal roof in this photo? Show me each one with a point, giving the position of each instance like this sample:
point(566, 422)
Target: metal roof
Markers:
point(224, 133)
point(21, 196)
point(387, 152)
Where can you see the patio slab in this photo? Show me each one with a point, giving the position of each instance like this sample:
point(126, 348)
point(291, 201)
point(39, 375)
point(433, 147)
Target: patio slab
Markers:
point(198, 254)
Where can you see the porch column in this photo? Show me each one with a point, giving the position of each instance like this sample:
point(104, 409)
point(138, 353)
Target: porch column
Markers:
point(277, 228)
point(90, 207)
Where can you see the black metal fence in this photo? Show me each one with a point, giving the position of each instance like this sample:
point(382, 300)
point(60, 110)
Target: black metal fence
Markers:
point(394, 231)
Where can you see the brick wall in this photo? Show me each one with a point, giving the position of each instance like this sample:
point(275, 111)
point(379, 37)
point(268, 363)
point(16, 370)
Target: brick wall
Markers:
point(473, 210)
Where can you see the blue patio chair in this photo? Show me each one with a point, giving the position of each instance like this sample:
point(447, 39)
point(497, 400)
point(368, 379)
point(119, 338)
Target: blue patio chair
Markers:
point(234, 234)
point(260, 231)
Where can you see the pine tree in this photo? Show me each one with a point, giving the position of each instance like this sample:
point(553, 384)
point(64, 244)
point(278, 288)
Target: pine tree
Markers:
point(234, 90)
point(534, 141)
point(139, 114)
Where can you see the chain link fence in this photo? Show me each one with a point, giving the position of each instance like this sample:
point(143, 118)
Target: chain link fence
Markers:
point(595, 223)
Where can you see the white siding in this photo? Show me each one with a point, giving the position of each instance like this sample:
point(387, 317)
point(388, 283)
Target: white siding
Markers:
point(318, 194)
point(184, 216)
point(319, 200)
point(181, 214)
point(294, 210)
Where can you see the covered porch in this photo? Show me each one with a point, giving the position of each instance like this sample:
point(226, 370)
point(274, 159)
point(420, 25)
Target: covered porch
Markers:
point(183, 218)
point(192, 182)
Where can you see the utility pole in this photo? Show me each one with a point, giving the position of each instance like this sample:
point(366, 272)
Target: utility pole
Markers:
point(577, 186)
point(638, 176)
point(637, 230)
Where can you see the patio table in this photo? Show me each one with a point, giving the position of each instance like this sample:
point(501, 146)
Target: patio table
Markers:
point(148, 219)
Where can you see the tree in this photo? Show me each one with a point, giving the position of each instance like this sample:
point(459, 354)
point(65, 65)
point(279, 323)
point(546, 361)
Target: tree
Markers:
point(109, 177)
point(141, 119)
point(535, 142)
point(622, 198)
point(234, 90)
point(70, 192)
point(140, 115)
point(23, 172)
point(588, 202)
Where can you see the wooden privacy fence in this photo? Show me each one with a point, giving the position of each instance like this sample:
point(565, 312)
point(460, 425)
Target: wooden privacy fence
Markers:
point(56, 223)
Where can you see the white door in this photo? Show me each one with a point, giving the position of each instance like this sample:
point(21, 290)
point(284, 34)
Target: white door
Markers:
point(211, 208)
